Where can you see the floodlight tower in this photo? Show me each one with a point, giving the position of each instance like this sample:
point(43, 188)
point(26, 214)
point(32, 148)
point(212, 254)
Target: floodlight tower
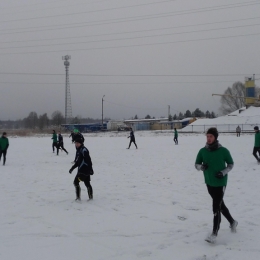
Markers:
point(68, 108)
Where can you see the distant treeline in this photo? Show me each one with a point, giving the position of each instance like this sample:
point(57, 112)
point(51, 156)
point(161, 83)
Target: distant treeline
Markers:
point(34, 121)
point(41, 122)
point(196, 113)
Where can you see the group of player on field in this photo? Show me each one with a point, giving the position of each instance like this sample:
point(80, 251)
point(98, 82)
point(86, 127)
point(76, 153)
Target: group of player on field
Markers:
point(213, 159)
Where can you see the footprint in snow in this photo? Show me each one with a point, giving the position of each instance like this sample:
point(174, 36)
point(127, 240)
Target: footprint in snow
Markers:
point(181, 218)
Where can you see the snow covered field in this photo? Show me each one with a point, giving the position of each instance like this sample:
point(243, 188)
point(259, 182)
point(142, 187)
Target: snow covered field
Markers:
point(148, 203)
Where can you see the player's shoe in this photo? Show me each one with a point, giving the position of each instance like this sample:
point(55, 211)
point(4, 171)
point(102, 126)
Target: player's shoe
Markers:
point(233, 226)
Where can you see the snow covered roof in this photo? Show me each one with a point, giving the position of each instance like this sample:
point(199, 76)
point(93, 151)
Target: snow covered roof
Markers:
point(247, 117)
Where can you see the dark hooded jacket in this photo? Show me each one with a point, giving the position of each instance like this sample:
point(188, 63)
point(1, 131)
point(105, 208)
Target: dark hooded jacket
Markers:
point(83, 161)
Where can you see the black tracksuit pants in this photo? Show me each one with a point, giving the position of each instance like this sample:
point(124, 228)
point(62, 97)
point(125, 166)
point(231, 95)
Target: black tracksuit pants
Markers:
point(86, 179)
point(3, 152)
point(132, 141)
point(255, 151)
point(61, 146)
point(175, 139)
point(55, 144)
point(217, 194)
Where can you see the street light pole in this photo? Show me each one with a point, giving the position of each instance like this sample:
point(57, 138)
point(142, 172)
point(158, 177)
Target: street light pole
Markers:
point(102, 110)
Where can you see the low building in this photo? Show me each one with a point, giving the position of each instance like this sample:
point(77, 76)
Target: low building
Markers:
point(158, 123)
point(85, 128)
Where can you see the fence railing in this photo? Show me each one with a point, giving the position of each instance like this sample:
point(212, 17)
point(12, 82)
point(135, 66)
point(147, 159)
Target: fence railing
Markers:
point(221, 128)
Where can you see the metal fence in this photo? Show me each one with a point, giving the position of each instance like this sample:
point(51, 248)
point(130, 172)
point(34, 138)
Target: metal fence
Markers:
point(227, 128)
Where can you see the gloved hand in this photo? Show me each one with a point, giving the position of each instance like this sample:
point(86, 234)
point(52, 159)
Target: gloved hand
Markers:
point(91, 172)
point(204, 167)
point(70, 171)
point(219, 175)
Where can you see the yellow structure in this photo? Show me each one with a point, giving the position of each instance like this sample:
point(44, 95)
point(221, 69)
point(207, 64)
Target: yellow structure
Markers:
point(165, 125)
point(250, 91)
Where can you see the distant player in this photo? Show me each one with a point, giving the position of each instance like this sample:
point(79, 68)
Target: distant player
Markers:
point(132, 139)
point(55, 142)
point(60, 144)
point(78, 135)
point(238, 131)
point(72, 136)
point(257, 144)
point(175, 139)
point(4, 144)
point(84, 164)
point(215, 161)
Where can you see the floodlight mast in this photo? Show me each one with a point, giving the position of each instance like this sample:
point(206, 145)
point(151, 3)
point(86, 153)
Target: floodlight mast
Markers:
point(68, 108)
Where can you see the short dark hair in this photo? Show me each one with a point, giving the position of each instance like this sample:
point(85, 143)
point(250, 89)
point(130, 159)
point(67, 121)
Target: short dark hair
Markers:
point(79, 140)
point(4, 133)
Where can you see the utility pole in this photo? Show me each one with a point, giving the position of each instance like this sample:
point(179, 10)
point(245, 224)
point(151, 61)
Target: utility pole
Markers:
point(102, 110)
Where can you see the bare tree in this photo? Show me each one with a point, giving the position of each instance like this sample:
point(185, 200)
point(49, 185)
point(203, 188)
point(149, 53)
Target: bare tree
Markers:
point(233, 102)
point(43, 121)
point(57, 118)
point(31, 121)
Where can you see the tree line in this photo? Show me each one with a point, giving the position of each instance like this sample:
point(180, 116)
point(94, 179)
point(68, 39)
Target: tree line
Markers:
point(196, 113)
point(35, 121)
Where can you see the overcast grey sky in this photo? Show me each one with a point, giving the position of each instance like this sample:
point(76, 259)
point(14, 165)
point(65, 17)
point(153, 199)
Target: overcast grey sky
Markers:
point(143, 55)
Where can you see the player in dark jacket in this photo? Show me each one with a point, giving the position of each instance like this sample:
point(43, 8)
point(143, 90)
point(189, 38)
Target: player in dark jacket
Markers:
point(4, 144)
point(60, 142)
point(132, 139)
point(78, 135)
point(72, 136)
point(84, 164)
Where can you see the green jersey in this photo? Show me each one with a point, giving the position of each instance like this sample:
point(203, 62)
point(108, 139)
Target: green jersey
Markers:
point(54, 138)
point(217, 160)
point(4, 143)
point(257, 139)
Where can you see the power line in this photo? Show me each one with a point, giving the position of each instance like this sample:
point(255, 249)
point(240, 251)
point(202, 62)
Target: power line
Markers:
point(101, 10)
point(132, 38)
point(19, 6)
point(133, 45)
point(190, 11)
point(129, 75)
point(42, 9)
point(117, 83)
point(138, 31)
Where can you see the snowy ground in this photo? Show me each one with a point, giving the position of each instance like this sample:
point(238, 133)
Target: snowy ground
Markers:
point(148, 203)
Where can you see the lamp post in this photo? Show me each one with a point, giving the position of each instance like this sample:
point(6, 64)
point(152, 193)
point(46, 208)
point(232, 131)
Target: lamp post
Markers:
point(102, 110)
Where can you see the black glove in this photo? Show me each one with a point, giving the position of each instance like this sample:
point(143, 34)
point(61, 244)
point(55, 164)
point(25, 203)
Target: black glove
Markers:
point(219, 175)
point(91, 172)
point(204, 167)
point(70, 171)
